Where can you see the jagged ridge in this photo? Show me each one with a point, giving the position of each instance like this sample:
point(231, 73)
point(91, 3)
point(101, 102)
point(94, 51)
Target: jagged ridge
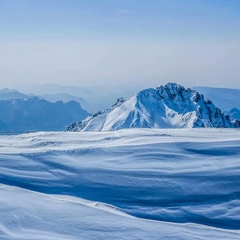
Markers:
point(169, 106)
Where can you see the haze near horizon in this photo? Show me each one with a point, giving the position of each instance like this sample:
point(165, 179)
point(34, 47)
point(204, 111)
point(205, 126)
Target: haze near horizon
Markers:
point(125, 44)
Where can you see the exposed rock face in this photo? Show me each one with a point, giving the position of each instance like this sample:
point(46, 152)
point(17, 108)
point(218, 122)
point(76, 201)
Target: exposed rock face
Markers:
point(169, 106)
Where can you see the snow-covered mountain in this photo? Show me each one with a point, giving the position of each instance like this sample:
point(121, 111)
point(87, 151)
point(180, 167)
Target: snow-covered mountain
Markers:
point(34, 114)
point(169, 106)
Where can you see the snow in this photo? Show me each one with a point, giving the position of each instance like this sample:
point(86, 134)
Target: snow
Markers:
point(126, 184)
point(41, 216)
point(169, 106)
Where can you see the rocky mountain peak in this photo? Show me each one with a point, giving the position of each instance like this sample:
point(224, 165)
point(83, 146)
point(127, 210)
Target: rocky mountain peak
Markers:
point(169, 106)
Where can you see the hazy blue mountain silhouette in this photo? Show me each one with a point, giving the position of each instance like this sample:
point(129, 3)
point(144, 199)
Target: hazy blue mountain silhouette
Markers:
point(235, 113)
point(35, 114)
point(8, 94)
point(224, 98)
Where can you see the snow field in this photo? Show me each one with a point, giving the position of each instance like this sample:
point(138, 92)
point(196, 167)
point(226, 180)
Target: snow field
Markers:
point(128, 184)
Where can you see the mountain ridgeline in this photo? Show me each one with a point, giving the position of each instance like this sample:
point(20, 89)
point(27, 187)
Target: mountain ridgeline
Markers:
point(169, 106)
point(35, 114)
point(225, 98)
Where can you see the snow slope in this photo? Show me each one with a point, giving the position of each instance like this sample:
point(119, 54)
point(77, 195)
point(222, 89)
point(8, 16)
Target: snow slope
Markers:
point(30, 215)
point(188, 178)
point(169, 106)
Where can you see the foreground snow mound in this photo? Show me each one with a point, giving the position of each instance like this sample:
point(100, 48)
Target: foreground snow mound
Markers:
point(30, 215)
point(172, 175)
point(169, 106)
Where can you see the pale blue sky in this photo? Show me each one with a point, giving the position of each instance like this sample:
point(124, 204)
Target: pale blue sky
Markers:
point(120, 42)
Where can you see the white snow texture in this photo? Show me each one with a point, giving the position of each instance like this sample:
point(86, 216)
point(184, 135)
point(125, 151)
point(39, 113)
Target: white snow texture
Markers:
point(126, 184)
point(169, 106)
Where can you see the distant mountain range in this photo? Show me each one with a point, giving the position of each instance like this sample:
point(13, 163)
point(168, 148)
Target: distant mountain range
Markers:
point(35, 114)
point(234, 113)
point(9, 94)
point(224, 98)
point(96, 97)
point(52, 89)
point(169, 106)
point(54, 111)
point(66, 98)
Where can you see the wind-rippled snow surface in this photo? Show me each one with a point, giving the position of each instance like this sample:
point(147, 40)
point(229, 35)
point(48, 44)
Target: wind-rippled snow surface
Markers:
point(128, 184)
